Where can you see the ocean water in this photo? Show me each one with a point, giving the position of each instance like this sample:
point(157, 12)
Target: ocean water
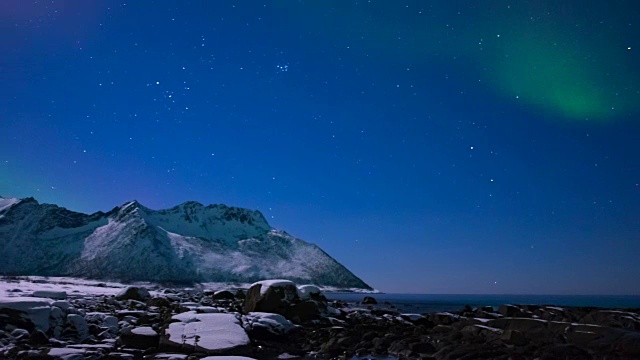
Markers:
point(423, 303)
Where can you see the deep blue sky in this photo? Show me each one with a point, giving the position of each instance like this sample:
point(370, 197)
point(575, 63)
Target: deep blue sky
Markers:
point(431, 147)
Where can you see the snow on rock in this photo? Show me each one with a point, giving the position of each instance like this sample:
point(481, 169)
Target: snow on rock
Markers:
point(308, 292)
point(6, 203)
point(143, 337)
point(144, 331)
point(57, 295)
point(127, 356)
point(266, 284)
point(209, 333)
point(261, 325)
point(412, 317)
point(170, 356)
point(35, 310)
point(227, 358)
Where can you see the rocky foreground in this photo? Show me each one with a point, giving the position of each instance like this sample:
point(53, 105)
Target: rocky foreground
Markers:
point(277, 319)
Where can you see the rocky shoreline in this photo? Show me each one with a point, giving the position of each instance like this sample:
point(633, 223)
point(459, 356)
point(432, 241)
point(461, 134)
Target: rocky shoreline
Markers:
point(278, 320)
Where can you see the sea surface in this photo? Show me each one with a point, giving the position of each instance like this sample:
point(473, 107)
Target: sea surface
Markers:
point(423, 303)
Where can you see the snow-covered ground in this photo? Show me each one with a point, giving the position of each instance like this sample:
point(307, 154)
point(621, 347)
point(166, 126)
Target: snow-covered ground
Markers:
point(76, 287)
point(26, 285)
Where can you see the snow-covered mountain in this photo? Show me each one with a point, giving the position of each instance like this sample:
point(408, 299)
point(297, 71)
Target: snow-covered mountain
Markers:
point(187, 243)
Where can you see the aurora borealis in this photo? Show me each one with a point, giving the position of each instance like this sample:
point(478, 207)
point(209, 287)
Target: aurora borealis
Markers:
point(430, 146)
point(574, 60)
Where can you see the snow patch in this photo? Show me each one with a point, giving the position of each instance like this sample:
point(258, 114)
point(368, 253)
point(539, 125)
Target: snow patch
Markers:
point(144, 331)
point(275, 323)
point(212, 332)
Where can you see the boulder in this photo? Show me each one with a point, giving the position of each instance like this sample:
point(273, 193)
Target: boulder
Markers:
point(25, 312)
point(72, 354)
point(78, 325)
point(140, 338)
point(38, 338)
point(444, 318)
point(133, 293)
point(581, 337)
point(628, 345)
point(613, 318)
point(267, 326)
point(304, 311)
point(311, 292)
point(57, 295)
point(20, 333)
point(273, 296)
point(533, 329)
point(369, 300)
point(564, 351)
point(524, 325)
point(160, 302)
point(510, 311)
point(486, 332)
point(223, 295)
point(514, 337)
point(240, 295)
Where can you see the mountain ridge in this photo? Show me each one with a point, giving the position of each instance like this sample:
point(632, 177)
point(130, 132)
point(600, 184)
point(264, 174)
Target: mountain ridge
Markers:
point(189, 242)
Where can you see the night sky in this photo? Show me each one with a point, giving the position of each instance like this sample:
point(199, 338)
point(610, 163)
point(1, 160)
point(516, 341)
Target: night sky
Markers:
point(429, 146)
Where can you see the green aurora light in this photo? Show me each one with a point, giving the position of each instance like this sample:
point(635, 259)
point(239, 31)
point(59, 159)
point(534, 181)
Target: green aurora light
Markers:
point(555, 59)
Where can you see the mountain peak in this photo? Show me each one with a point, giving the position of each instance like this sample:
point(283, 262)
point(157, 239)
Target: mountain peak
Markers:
point(6, 203)
point(189, 242)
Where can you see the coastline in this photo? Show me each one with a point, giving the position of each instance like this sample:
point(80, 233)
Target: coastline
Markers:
point(62, 317)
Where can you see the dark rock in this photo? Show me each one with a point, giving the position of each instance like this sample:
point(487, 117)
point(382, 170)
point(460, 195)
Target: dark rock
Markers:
point(134, 293)
point(611, 318)
point(628, 345)
point(487, 309)
point(368, 300)
point(524, 325)
point(581, 338)
point(58, 295)
point(38, 338)
point(422, 348)
point(514, 337)
point(20, 334)
point(16, 318)
point(400, 348)
point(303, 312)
point(565, 352)
point(444, 318)
point(442, 329)
point(510, 311)
point(159, 302)
point(240, 295)
point(369, 336)
point(140, 338)
point(223, 295)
